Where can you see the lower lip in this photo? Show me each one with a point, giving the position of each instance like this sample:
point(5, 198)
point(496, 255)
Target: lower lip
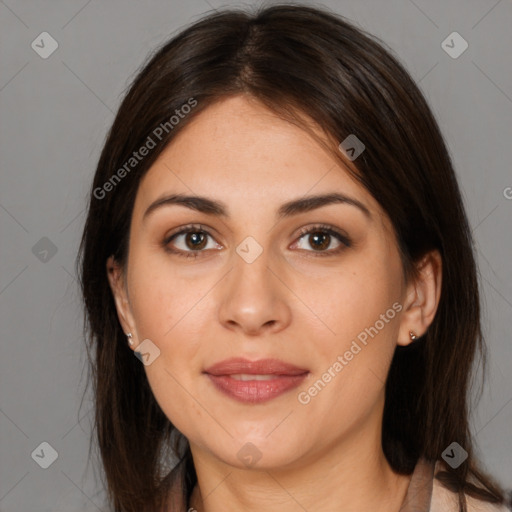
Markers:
point(256, 391)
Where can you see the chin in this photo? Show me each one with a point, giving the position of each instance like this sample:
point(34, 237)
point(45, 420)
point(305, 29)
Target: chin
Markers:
point(257, 453)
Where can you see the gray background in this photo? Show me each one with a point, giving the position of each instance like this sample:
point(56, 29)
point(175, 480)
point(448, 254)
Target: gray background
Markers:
point(54, 116)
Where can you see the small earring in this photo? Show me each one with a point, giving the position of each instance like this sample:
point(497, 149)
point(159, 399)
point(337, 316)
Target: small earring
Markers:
point(129, 336)
point(412, 335)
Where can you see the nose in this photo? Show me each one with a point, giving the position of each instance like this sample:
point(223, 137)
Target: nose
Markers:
point(254, 300)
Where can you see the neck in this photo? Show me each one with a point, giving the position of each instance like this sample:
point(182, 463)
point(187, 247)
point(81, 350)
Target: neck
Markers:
point(348, 476)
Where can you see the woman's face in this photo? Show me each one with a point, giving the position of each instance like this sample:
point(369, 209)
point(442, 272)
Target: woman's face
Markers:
point(253, 287)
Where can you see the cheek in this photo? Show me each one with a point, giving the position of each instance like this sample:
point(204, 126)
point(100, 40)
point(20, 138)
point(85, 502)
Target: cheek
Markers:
point(353, 298)
point(361, 306)
point(162, 303)
point(154, 306)
point(160, 296)
point(351, 365)
point(167, 306)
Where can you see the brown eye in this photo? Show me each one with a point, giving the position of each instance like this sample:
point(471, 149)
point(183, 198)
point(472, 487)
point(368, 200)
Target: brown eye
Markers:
point(188, 242)
point(321, 237)
point(319, 240)
point(195, 240)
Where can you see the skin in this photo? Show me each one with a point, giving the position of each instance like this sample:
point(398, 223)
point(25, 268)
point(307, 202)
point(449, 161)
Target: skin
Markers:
point(289, 304)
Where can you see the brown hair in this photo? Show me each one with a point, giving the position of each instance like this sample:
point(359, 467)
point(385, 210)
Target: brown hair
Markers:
point(298, 61)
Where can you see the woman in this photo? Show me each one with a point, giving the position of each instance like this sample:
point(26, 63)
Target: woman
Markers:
point(276, 232)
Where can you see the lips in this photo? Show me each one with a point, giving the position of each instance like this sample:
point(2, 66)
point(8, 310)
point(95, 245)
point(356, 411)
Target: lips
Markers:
point(261, 367)
point(255, 381)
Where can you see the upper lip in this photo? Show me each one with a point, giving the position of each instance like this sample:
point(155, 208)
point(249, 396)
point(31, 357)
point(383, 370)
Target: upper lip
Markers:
point(239, 365)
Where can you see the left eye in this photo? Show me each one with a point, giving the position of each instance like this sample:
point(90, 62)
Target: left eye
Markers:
point(320, 238)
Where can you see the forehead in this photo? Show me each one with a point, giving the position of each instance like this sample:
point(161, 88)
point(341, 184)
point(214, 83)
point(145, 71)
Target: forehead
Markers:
point(242, 153)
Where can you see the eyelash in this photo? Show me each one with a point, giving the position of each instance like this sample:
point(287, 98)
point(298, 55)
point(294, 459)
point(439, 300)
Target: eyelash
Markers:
point(319, 228)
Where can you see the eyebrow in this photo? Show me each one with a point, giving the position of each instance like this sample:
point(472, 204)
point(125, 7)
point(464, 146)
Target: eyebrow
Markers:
point(217, 208)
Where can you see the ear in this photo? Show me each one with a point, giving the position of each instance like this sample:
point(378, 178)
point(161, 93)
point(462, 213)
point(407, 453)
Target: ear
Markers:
point(116, 279)
point(422, 298)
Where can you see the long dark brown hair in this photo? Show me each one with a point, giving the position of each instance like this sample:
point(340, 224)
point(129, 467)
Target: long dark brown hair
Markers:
point(302, 63)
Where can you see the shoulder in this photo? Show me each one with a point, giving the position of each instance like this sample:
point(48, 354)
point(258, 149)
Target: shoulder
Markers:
point(444, 500)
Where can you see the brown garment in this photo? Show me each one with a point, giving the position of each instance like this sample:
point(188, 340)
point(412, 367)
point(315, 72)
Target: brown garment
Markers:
point(424, 493)
point(419, 492)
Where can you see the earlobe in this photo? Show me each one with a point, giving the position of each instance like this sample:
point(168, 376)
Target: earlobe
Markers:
point(423, 295)
point(118, 287)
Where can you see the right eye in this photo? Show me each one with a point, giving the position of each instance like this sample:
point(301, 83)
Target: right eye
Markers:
point(194, 241)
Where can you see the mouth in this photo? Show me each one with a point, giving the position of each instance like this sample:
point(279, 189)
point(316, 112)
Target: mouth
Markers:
point(255, 381)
